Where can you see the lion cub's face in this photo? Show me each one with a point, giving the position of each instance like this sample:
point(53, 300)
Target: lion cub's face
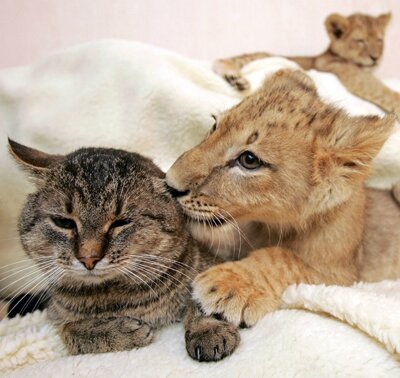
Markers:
point(281, 156)
point(358, 38)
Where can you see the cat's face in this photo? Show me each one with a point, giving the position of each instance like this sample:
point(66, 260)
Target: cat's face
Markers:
point(98, 214)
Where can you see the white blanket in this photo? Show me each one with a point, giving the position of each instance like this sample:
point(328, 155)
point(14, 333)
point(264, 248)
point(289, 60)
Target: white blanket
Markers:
point(286, 343)
point(144, 99)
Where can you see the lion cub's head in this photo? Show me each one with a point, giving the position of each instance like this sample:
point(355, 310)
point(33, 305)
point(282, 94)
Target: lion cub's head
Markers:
point(358, 38)
point(281, 156)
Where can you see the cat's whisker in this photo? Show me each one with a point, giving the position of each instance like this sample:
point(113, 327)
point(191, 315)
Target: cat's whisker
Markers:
point(123, 269)
point(23, 262)
point(52, 279)
point(147, 273)
point(152, 269)
point(20, 279)
point(22, 289)
point(18, 271)
point(167, 268)
point(158, 257)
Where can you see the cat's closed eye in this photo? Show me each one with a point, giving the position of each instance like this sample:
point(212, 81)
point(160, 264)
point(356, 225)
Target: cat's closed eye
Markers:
point(120, 223)
point(65, 223)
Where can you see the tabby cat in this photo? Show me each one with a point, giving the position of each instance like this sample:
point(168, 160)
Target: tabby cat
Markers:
point(118, 259)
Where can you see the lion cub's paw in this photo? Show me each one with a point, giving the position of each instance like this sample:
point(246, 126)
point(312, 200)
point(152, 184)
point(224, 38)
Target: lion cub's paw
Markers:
point(230, 292)
point(210, 339)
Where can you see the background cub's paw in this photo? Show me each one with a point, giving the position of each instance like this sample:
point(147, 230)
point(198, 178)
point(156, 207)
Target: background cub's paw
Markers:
point(211, 340)
point(237, 81)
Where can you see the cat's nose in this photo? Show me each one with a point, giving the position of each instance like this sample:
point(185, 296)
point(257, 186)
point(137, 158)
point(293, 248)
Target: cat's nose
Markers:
point(177, 193)
point(89, 262)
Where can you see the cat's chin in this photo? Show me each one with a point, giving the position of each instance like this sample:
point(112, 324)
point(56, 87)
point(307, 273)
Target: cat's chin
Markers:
point(91, 277)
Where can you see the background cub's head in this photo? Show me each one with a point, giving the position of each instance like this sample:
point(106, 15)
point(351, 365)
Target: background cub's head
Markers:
point(280, 156)
point(98, 214)
point(358, 38)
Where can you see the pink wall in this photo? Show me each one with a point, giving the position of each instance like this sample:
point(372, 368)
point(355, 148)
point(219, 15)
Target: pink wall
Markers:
point(198, 28)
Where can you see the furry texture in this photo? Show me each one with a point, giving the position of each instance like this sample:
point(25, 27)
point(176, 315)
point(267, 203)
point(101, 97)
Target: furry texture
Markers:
point(315, 345)
point(132, 96)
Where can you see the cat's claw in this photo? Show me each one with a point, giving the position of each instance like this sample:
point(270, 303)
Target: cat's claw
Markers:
point(213, 341)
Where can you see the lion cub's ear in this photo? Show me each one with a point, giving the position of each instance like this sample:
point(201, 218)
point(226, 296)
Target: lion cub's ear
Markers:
point(336, 26)
point(384, 19)
point(347, 147)
point(35, 162)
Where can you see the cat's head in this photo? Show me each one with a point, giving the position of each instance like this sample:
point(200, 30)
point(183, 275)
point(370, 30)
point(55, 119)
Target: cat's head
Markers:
point(281, 156)
point(97, 214)
point(358, 38)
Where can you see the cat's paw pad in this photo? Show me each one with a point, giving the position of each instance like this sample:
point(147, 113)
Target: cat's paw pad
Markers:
point(213, 341)
point(238, 81)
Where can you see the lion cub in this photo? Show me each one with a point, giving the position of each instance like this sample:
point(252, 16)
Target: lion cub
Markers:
point(356, 47)
point(294, 167)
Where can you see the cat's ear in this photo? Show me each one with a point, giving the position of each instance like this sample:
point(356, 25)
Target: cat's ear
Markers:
point(384, 19)
point(33, 161)
point(347, 147)
point(336, 25)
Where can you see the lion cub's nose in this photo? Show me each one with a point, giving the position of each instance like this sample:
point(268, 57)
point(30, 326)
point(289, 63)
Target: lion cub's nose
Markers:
point(89, 262)
point(177, 193)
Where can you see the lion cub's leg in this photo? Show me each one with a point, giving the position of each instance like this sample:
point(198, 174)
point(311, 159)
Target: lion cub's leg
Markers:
point(365, 85)
point(208, 338)
point(244, 291)
point(230, 69)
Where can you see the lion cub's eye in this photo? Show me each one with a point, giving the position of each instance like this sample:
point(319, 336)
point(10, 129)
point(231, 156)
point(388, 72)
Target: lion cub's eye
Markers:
point(249, 161)
point(65, 223)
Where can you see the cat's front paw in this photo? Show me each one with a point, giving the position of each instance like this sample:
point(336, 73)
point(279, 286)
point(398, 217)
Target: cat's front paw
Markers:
point(138, 332)
point(106, 335)
point(211, 340)
point(237, 81)
point(233, 293)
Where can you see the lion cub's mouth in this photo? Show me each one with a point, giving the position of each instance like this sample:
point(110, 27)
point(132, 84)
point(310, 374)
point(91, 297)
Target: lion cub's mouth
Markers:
point(210, 221)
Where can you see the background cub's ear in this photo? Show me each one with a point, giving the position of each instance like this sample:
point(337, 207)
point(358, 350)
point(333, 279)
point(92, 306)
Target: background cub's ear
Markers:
point(347, 147)
point(336, 26)
point(33, 161)
point(384, 19)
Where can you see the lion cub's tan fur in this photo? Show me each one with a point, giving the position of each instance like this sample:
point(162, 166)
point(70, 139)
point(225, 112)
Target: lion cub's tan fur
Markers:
point(308, 196)
point(356, 47)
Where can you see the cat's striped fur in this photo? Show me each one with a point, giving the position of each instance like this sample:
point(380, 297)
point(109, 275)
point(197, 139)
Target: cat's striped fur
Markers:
point(118, 257)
